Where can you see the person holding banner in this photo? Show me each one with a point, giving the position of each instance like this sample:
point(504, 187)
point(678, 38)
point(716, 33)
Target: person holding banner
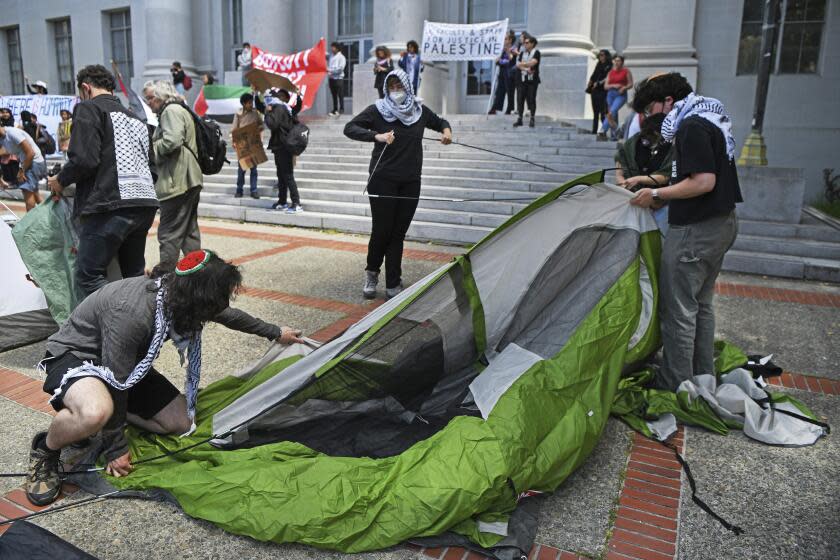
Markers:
point(245, 116)
point(395, 124)
point(529, 68)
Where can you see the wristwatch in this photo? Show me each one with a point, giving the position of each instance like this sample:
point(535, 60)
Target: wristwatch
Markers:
point(655, 194)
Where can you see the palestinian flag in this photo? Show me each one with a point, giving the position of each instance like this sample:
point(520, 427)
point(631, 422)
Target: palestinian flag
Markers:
point(219, 102)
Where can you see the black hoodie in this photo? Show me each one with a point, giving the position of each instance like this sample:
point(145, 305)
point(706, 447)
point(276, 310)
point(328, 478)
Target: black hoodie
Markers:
point(109, 155)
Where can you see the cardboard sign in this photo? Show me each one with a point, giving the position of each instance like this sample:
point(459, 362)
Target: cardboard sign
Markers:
point(247, 140)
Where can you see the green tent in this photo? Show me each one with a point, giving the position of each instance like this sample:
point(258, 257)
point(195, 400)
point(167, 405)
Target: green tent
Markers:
point(491, 377)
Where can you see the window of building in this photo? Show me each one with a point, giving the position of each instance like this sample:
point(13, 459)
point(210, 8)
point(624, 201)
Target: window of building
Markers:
point(480, 72)
point(234, 33)
point(64, 56)
point(121, 51)
point(355, 33)
point(798, 39)
point(15, 60)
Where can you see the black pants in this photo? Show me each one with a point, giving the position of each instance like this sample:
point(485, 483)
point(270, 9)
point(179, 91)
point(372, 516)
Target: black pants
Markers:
point(119, 233)
point(599, 108)
point(504, 88)
point(527, 94)
point(337, 91)
point(391, 218)
point(286, 176)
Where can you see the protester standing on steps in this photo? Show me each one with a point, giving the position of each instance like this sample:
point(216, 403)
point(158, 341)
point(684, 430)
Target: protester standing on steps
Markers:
point(280, 117)
point(619, 82)
point(596, 91)
point(528, 64)
point(504, 78)
point(64, 129)
point(411, 64)
point(244, 62)
point(108, 161)
point(336, 70)
point(246, 116)
point(100, 365)
point(396, 124)
point(179, 179)
point(382, 66)
point(701, 201)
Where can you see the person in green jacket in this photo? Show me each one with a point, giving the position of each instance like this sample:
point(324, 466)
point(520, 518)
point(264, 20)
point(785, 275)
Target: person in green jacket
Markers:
point(179, 178)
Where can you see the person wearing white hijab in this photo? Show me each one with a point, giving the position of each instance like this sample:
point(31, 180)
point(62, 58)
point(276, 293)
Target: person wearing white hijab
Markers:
point(395, 124)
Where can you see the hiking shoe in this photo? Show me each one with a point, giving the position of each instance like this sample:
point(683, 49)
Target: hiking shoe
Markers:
point(43, 483)
point(371, 281)
point(280, 206)
point(391, 292)
point(294, 209)
point(238, 195)
point(255, 196)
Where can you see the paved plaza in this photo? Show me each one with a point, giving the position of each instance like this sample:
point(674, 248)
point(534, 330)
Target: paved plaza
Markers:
point(628, 500)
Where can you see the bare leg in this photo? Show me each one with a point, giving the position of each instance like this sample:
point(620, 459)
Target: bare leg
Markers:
point(172, 419)
point(87, 407)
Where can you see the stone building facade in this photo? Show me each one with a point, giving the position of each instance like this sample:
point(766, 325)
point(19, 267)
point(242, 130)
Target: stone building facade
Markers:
point(713, 42)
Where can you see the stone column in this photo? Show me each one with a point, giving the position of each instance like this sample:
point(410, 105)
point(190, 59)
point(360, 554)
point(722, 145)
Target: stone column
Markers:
point(395, 22)
point(667, 48)
point(564, 31)
point(168, 37)
point(270, 25)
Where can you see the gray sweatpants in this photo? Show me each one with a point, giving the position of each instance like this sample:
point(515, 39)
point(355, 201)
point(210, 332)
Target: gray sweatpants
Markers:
point(691, 259)
point(178, 229)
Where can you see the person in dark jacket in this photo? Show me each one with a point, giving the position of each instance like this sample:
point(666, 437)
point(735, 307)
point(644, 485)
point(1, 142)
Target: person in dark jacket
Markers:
point(108, 160)
point(178, 78)
point(528, 65)
point(596, 91)
point(280, 117)
point(395, 123)
point(382, 66)
point(504, 79)
point(100, 365)
point(411, 64)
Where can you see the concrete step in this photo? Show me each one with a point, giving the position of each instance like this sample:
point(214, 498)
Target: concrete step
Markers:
point(505, 199)
point(815, 232)
point(788, 246)
point(785, 266)
point(362, 208)
point(419, 230)
point(544, 156)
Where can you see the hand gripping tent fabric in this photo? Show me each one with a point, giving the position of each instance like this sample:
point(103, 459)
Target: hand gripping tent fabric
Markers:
point(491, 377)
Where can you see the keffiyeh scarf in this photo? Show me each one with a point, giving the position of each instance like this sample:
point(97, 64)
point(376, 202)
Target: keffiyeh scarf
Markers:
point(163, 331)
point(409, 111)
point(707, 108)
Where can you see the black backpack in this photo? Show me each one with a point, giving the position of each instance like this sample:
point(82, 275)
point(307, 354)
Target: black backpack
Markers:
point(45, 141)
point(212, 149)
point(297, 138)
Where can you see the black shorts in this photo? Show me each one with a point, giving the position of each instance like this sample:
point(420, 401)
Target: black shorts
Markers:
point(148, 397)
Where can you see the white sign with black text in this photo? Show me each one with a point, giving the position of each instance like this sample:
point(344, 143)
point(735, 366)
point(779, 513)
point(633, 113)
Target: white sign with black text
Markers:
point(471, 41)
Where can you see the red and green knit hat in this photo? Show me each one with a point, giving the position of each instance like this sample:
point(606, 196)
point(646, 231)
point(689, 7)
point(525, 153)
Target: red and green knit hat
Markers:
point(193, 262)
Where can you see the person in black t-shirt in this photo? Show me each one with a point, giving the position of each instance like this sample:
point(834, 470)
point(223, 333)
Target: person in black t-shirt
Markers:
point(396, 123)
point(702, 195)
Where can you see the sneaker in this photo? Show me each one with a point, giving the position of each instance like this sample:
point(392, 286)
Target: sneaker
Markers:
point(371, 281)
point(43, 483)
point(294, 209)
point(518, 122)
point(238, 195)
point(280, 206)
point(391, 292)
point(255, 196)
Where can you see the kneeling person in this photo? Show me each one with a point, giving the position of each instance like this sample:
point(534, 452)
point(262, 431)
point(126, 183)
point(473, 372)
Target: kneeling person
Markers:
point(99, 364)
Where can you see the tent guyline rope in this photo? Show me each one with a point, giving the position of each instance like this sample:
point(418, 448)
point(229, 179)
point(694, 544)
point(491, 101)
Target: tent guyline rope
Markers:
point(699, 502)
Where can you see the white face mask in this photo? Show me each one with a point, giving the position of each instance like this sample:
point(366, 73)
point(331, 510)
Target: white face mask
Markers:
point(397, 96)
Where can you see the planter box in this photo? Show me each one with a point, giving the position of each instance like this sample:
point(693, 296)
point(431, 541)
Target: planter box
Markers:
point(771, 194)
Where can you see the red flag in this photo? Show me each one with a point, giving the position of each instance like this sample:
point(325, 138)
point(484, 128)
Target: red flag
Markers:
point(305, 69)
point(200, 105)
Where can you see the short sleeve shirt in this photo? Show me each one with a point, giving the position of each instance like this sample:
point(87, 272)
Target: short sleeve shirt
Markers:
point(701, 148)
point(12, 141)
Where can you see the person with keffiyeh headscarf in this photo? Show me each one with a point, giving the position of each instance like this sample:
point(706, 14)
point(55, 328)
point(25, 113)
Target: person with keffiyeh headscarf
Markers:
point(395, 124)
point(100, 365)
point(701, 195)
